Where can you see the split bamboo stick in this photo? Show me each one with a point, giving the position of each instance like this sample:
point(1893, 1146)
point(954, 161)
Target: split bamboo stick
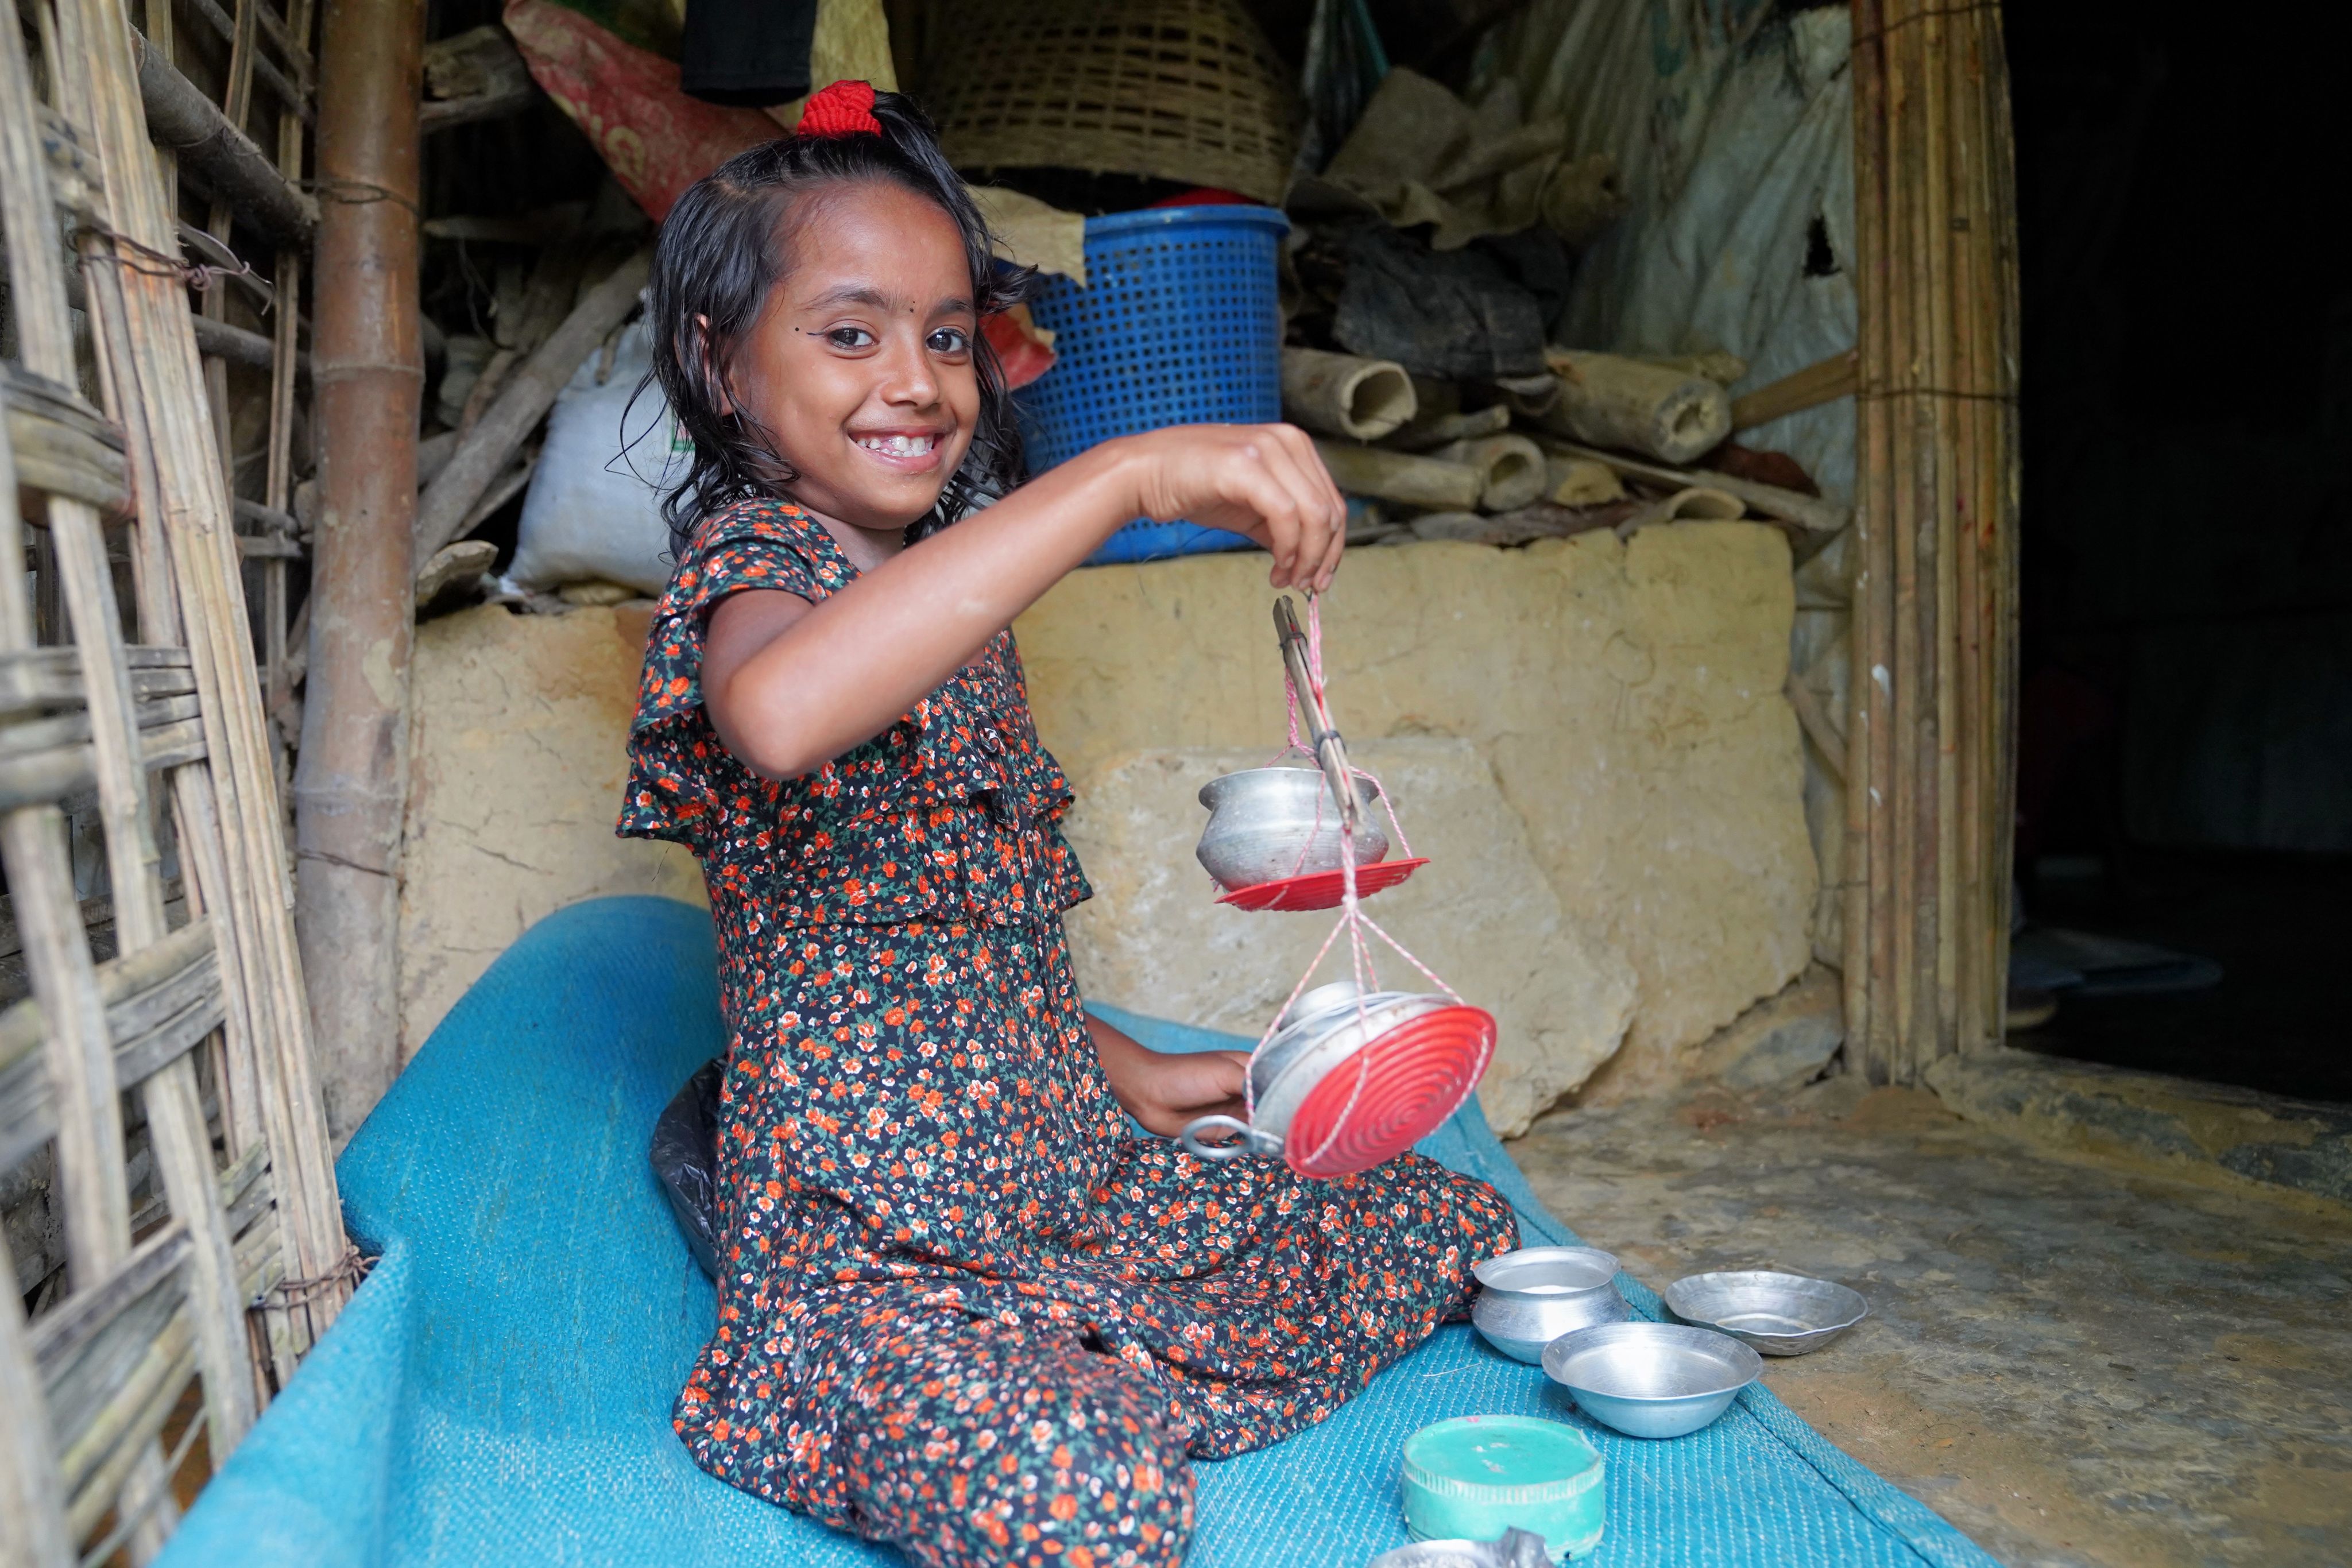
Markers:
point(1869, 725)
point(1971, 378)
point(31, 1491)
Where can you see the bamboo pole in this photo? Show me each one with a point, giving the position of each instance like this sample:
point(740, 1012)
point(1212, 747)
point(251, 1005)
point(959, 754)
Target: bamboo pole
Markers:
point(2001, 169)
point(1933, 641)
point(1870, 252)
point(1971, 376)
point(1939, 541)
point(1907, 174)
point(351, 785)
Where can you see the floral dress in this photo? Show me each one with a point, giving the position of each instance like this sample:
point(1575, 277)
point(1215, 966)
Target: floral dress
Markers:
point(963, 1304)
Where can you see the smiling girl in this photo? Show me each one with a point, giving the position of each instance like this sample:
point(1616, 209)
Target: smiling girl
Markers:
point(962, 1306)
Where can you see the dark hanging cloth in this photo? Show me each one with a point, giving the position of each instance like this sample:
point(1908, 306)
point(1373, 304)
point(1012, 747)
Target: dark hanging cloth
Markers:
point(747, 53)
point(1453, 315)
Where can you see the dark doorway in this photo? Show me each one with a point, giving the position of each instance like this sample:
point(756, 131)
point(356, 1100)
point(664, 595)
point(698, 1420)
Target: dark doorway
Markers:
point(2186, 707)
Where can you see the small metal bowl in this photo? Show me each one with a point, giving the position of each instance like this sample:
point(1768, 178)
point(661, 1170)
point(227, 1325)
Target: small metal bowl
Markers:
point(1652, 1380)
point(1530, 1298)
point(1780, 1315)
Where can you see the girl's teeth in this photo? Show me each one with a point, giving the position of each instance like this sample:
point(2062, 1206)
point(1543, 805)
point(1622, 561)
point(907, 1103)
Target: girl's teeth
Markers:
point(900, 445)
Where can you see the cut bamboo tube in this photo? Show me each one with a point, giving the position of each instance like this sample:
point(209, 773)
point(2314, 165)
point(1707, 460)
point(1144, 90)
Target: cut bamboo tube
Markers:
point(1696, 504)
point(1579, 482)
point(1398, 476)
point(1342, 395)
point(1810, 513)
point(1510, 469)
point(1611, 401)
point(1432, 430)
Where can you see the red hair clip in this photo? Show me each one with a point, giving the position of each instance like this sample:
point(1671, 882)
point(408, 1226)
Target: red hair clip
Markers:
point(844, 109)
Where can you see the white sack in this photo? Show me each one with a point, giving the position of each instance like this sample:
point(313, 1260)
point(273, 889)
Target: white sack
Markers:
point(593, 511)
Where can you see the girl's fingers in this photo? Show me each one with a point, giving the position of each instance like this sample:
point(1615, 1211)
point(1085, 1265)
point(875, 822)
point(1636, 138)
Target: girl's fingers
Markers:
point(1336, 541)
point(1291, 460)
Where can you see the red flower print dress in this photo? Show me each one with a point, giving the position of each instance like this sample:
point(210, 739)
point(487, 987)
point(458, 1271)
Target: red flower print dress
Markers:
point(963, 1304)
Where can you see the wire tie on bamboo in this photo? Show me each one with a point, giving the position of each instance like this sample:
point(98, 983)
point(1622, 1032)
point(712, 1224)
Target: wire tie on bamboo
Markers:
point(202, 275)
point(288, 1298)
point(356, 193)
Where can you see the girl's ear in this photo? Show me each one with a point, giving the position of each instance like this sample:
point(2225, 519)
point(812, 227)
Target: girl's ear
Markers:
point(713, 376)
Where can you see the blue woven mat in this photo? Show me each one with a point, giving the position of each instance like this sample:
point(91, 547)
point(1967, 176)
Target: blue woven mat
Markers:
point(499, 1389)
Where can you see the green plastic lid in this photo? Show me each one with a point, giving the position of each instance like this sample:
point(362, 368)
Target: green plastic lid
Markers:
point(1473, 1477)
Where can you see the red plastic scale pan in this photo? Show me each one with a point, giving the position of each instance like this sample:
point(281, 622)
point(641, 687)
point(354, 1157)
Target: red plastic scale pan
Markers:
point(1413, 1078)
point(1322, 889)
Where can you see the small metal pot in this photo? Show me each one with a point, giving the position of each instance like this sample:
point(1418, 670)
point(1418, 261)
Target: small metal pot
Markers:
point(1530, 1298)
point(1322, 1029)
point(1269, 824)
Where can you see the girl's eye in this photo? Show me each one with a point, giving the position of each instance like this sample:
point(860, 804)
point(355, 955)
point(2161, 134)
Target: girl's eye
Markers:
point(950, 340)
point(850, 337)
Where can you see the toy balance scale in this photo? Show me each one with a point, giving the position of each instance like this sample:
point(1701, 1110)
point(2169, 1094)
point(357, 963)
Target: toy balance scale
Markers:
point(1348, 1076)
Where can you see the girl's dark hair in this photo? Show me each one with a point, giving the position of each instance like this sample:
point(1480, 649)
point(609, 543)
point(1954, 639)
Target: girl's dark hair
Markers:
point(721, 249)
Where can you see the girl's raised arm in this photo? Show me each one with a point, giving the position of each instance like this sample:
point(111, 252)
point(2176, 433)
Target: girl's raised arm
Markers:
point(789, 685)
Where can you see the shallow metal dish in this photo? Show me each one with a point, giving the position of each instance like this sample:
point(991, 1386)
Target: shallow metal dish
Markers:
point(1652, 1380)
point(1516, 1549)
point(1780, 1315)
point(1530, 1298)
point(1268, 824)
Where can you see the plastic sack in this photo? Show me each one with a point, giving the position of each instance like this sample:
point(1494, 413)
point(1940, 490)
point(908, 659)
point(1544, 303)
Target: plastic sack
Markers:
point(593, 512)
point(686, 1161)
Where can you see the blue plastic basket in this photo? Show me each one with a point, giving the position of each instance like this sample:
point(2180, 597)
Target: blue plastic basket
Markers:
point(1179, 323)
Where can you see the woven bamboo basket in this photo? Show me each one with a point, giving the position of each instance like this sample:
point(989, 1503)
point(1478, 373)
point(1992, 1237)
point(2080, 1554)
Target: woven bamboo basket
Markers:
point(1187, 90)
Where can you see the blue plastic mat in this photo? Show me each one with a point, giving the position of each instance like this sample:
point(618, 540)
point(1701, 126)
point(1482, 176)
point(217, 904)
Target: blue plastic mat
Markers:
point(499, 1389)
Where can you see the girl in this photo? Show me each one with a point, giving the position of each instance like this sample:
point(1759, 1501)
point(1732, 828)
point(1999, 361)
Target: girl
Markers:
point(961, 1307)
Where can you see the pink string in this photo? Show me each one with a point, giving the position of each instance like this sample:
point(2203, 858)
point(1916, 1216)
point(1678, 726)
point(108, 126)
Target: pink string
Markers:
point(1352, 918)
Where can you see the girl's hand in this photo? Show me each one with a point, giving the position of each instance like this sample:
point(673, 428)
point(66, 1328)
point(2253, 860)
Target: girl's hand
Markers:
point(1166, 1090)
point(1264, 481)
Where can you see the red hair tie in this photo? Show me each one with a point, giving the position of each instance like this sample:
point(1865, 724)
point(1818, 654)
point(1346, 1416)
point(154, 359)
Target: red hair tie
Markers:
point(844, 109)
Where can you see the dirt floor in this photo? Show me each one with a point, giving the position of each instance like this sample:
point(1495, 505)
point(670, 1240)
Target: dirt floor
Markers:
point(2076, 1362)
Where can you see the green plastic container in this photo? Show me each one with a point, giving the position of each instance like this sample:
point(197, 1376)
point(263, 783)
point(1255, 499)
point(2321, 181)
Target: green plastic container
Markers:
point(1473, 1478)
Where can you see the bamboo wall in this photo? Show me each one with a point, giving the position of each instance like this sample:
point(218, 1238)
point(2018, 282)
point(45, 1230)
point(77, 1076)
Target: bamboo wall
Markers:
point(1931, 737)
point(128, 677)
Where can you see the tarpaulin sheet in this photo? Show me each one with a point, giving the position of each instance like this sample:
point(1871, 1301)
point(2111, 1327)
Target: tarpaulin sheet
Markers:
point(499, 1391)
point(1732, 125)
